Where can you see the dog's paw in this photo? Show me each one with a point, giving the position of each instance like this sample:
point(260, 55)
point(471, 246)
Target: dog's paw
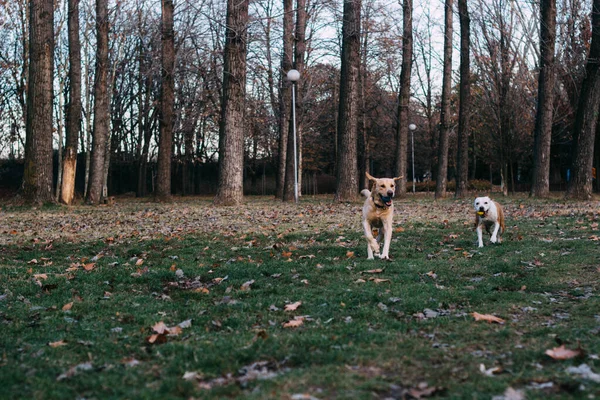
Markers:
point(375, 247)
point(384, 257)
point(493, 239)
point(480, 245)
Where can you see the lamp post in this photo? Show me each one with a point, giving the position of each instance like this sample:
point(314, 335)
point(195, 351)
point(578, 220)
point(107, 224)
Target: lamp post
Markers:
point(412, 128)
point(293, 76)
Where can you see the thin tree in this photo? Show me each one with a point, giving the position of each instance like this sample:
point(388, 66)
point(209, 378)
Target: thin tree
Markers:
point(543, 120)
point(167, 100)
point(347, 172)
point(404, 97)
point(284, 94)
point(580, 186)
point(462, 157)
point(442, 170)
point(37, 178)
point(230, 189)
point(100, 132)
point(299, 50)
point(73, 124)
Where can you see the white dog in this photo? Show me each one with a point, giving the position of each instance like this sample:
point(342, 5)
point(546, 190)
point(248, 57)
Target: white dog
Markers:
point(488, 213)
point(378, 212)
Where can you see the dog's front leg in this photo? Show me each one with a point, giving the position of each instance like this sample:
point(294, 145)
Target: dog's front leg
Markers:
point(494, 237)
point(480, 235)
point(372, 245)
point(387, 238)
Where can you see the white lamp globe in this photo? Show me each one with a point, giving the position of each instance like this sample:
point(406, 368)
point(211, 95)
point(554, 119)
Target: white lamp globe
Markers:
point(293, 75)
point(412, 127)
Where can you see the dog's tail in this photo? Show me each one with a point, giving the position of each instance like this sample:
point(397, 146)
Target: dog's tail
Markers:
point(365, 192)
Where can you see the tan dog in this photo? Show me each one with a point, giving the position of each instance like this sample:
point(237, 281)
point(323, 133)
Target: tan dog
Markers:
point(378, 212)
point(488, 213)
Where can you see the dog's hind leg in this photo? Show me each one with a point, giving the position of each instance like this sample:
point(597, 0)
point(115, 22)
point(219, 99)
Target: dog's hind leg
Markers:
point(372, 245)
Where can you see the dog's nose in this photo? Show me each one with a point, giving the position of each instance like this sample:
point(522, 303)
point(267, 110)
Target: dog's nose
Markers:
point(481, 209)
point(390, 193)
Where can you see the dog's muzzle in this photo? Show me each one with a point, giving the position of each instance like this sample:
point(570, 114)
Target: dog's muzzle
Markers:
point(481, 211)
point(387, 200)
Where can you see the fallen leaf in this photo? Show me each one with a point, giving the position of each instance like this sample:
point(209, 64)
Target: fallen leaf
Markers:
point(431, 274)
point(349, 254)
point(379, 280)
point(487, 318)
point(67, 306)
point(373, 271)
point(32, 261)
point(562, 353)
point(139, 261)
point(246, 285)
point(399, 229)
point(160, 327)
point(294, 323)
point(40, 276)
point(89, 266)
point(292, 306)
point(57, 344)
point(286, 254)
point(489, 371)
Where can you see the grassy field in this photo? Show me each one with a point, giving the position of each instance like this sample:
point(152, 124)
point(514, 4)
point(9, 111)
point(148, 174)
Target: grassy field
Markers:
point(272, 300)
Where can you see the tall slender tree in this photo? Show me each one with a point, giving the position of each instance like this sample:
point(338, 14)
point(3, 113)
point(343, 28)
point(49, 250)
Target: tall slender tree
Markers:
point(299, 50)
point(230, 189)
point(586, 120)
point(167, 101)
point(347, 172)
point(404, 97)
point(73, 125)
point(464, 110)
point(442, 170)
point(543, 120)
point(37, 178)
point(101, 129)
point(284, 94)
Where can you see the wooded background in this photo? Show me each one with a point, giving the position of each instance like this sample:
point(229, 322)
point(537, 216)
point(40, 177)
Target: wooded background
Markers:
point(166, 97)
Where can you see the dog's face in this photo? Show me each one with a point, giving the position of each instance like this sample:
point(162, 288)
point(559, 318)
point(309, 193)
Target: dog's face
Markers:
point(383, 188)
point(482, 205)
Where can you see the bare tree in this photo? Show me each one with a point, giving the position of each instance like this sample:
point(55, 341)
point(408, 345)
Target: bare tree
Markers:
point(404, 96)
point(37, 178)
point(462, 158)
point(540, 186)
point(580, 186)
point(167, 100)
point(101, 128)
point(442, 171)
point(73, 125)
point(230, 190)
point(347, 173)
point(284, 94)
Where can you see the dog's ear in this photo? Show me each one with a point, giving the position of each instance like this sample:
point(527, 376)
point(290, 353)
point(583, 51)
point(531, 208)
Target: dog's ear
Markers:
point(369, 177)
point(398, 178)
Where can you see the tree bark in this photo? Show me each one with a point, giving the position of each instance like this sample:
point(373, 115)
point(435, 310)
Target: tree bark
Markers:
point(37, 178)
point(543, 120)
point(101, 131)
point(462, 158)
point(404, 98)
point(230, 189)
point(580, 186)
point(285, 94)
point(163, 181)
point(442, 173)
point(347, 172)
point(73, 125)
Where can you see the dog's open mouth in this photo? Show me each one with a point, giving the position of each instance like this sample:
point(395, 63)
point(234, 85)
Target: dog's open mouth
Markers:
point(387, 200)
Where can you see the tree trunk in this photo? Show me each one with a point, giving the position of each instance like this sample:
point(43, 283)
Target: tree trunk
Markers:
point(580, 186)
point(163, 182)
point(73, 125)
point(230, 190)
point(404, 97)
point(543, 120)
point(347, 173)
point(462, 158)
point(37, 177)
point(442, 174)
point(100, 132)
point(285, 95)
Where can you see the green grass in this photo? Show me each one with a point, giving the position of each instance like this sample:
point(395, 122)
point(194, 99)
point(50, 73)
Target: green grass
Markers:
point(360, 339)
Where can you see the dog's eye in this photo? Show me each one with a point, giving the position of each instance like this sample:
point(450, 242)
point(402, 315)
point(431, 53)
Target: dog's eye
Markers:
point(382, 186)
point(486, 202)
point(392, 185)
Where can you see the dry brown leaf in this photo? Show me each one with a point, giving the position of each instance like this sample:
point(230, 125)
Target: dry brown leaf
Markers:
point(292, 306)
point(89, 266)
point(67, 306)
point(139, 261)
point(487, 318)
point(294, 323)
point(57, 344)
point(350, 254)
point(246, 285)
point(379, 280)
point(156, 338)
point(40, 276)
point(286, 254)
point(562, 353)
point(399, 229)
point(160, 328)
point(431, 274)
point(32, 261)
point(373, 271)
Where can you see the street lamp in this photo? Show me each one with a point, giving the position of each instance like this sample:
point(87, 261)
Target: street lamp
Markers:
point(293, 76)
point(412, 128)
